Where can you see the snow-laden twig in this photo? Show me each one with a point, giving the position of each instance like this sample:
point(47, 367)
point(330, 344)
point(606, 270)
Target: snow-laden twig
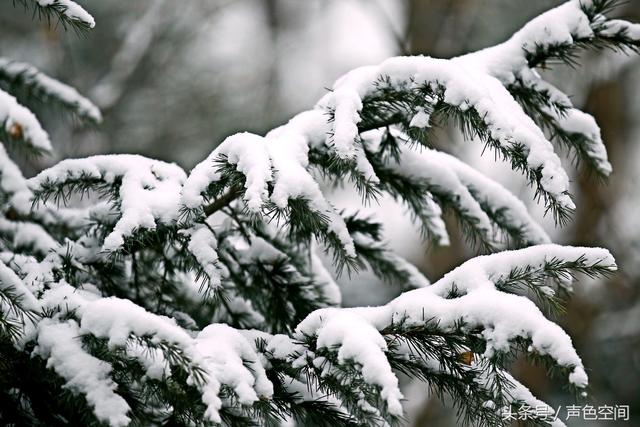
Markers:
point(39, 85)
point(147, 191)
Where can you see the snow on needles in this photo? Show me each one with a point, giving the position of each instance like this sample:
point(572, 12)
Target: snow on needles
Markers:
point(480, 81)
point(474, 193)
point(58, 343)
point(464, 86)
point(563, 25)
point(20, 123)
point(203, 245)
point(280, 159)
point(502, 317)
point(224, 355)
point(70, 9)
point(219, 355)
point(361, 343)
point(41, 84)
point(13, 183)
point(148, 190)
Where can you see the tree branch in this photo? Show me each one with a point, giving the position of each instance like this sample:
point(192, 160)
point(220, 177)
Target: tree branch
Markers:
point(232, 194)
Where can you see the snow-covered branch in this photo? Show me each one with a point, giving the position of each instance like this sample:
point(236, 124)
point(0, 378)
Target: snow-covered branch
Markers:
point(38, 85)
point(66, 12)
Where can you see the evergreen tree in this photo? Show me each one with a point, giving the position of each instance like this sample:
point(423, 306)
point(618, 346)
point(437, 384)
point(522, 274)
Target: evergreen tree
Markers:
point(134, 293)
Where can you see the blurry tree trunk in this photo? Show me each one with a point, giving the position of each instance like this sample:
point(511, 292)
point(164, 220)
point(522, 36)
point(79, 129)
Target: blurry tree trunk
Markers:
point(273, 14)
point(440, 28)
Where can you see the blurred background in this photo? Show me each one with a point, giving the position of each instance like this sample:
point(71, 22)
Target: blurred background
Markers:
point(173, 79)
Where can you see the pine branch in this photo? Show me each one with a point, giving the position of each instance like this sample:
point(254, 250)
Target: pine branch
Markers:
point(27, 79)
point(223, 201)
point(64, 12)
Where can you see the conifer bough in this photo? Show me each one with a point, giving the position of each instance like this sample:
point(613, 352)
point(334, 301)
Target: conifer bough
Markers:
point(202, 298)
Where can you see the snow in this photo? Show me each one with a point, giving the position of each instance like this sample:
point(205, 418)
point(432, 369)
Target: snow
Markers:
point(532, 79)
point(149, 192)
point(42, 83)
point(415, 279)
point(475, 81)
point(494, 195)
point(13, 183)
point(469, 188)
point(35, 274)
point(14, 187)
point(203, 245)
point(345, 128)
point(236, 364)
point(16, 119)
point(432, 215)
point(502, 317)
point(465, 86)
point(58, 343)
point(280, 159)
point(250, 155)
point(282, 346)
point(238, 307)
point(100, 319)
point(71, 10)
point(9, 281)
point(224, 354)
point(360, 343)
point(153, 360)
point(571, 120)
point(277, 170)
point(28, 235)
point(520, 394)
point(483, 271)
point(420, 119)
point(289, 154)
point(226, 357)
point(258, 249)
point(616, 26)
point(312, 124)
point(415, 165)
point(329, 289)
point(561, 25)
point(575, 121)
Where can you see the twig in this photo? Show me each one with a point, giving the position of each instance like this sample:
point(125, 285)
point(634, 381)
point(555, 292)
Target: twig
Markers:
point(232, 194)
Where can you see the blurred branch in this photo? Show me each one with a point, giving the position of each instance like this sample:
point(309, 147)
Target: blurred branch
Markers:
point(124, 63)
